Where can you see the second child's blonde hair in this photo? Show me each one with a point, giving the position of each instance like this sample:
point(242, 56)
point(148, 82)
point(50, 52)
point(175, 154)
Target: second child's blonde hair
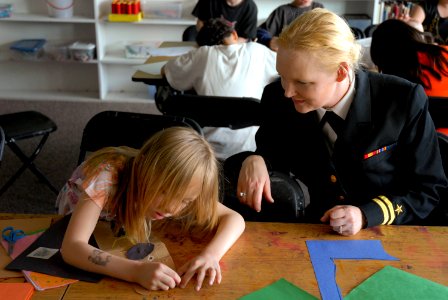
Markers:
point(325, 35)
point(165, 165)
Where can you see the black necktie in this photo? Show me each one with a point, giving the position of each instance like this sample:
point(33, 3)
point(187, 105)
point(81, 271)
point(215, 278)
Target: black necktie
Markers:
point(335, 121)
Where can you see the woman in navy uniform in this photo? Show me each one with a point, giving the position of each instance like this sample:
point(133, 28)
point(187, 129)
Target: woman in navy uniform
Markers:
point(372, 159)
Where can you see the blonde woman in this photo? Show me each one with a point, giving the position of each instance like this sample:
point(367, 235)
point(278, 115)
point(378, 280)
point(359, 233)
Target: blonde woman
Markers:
point(174, 175)
point(362, 142)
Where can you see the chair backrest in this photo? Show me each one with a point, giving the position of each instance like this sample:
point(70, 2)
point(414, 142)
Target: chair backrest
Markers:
point(115, 128)
point(2, 143)
point(439, 216)
point(214, 111)
point(443, 145)
point(368, 31)
point(438, 109)
point(359, 34)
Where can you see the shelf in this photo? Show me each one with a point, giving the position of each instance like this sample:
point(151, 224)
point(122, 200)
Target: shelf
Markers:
point(20, 17)
point(47, 60)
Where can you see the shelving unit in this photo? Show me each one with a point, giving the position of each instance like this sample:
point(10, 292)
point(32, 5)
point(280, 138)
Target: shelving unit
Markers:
point(106, 78)
point(109, 76)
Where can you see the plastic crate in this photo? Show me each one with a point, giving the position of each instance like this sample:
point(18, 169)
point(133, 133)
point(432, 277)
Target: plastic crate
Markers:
point(28, 49)
point(82, 51)
point(162, 9)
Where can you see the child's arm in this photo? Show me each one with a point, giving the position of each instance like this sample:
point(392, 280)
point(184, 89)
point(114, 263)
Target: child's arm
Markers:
point(231, 226)
point(76, 251)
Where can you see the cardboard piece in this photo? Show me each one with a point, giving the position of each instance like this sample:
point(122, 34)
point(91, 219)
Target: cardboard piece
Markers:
point(281, 289)
point(394, 284)
point(27, 225)
point(119, 245)
point(323, 253)
point(54, 265)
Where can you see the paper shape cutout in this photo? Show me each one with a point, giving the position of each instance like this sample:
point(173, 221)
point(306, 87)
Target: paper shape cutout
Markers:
point(119, 245)
point(52, 238)
point(279, 290)
point(16, 291)
point(139, 251)
point(21, 244)
point(27, 225)
point(394, 284)
point(323, 254)
point(43, 282)
point(38, 280)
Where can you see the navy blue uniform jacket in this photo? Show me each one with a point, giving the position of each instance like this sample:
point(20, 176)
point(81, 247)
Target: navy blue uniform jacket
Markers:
point(386, 161)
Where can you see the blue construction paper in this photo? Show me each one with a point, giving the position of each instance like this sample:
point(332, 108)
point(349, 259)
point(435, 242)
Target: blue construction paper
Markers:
point(323, 254)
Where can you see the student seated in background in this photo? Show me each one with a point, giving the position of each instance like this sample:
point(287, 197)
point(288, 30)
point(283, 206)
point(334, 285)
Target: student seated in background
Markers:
point(243, 13)
point(223, 67)
point(268, 32)
point(399, 49)
point(433, 16)
point(174, 175)
point(362, 142)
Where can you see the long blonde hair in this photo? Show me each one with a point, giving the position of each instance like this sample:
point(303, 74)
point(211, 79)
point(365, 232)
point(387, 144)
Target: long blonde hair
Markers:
point(165, 165)
point(324, 34)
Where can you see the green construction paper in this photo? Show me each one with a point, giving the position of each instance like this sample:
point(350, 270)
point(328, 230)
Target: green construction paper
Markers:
point(391, 283)
point(279, 290)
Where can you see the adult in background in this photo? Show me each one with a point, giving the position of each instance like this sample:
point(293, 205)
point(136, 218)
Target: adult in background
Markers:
point(223, 67)
point(433, 15)
point(362, 142)
point(243, 13)
point(281, 17)
point(399, 49)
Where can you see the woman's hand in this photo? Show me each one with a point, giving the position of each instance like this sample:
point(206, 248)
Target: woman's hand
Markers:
point(253, 182)
point(156, 276)
point(202, 265)
point(345, 219)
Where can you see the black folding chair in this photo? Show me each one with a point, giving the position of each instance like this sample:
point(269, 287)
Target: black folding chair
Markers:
point(2, 143)
point(359, 34)
point(115, 128)
point(21, 126)
point(439, 216)
point(368, 31)
point(212, 111)
point(438, 109)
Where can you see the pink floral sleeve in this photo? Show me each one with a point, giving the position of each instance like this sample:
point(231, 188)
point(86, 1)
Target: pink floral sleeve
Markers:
point(97, 189)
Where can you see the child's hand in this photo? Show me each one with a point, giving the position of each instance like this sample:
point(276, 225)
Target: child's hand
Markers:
point(202, 265)
point(156, 276)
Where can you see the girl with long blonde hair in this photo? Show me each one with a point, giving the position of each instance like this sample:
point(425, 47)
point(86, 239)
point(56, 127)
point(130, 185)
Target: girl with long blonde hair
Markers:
point(174, 175)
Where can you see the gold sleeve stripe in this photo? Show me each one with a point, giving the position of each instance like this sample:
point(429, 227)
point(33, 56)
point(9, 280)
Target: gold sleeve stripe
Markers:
point(391, 208)
point(384, 209)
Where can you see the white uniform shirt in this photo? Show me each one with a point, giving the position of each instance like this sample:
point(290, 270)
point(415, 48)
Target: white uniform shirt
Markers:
point(238, 70)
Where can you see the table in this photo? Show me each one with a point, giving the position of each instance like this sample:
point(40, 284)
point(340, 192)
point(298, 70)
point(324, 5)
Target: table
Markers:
point(267, 252)
point(158, 80)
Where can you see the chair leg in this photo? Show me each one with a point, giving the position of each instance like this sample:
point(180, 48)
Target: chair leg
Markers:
point(28, 163)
